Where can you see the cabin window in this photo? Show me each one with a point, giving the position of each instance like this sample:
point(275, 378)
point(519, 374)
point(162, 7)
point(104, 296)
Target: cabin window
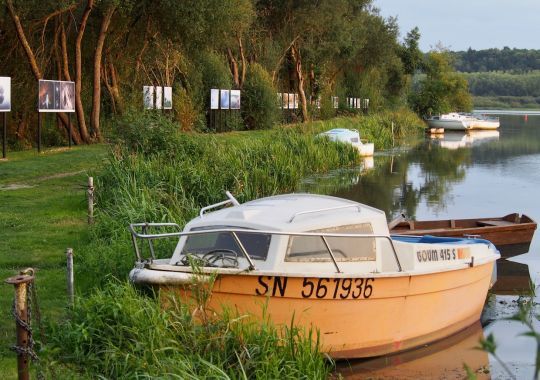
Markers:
point(354, 139)
point(312, 248)
point(256, 244)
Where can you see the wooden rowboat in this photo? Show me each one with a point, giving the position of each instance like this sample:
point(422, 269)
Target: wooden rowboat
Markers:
point(511, 234)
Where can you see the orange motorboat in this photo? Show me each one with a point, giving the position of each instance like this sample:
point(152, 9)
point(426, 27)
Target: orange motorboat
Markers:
point(326, 263)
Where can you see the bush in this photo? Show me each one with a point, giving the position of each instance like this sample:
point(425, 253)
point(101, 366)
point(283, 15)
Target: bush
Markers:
point(259, 99)
point(185, 110)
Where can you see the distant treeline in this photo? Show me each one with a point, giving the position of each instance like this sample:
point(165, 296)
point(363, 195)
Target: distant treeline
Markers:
point(505, 60)
point(504, 84)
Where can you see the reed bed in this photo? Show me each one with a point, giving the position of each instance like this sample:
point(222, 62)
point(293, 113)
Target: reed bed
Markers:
point(116, 332)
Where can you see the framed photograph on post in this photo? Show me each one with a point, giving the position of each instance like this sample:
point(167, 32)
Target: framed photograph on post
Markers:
point(148, 97)
point(67, 96)
point(159, 97)
point(5, 94)
point(167, 98)
point(224, 99)
point(291, 101)
point(46, 96)
point(214, 99)
point(235, 99)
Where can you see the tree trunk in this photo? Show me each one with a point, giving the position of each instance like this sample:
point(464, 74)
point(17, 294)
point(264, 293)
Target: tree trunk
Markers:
point(96, 99)
point(32, 61)
point(300, 81)
point(110, 78)
point(234, 68)
point(63, 45)
point(78, 73)
point(244, 61)
point(24, 41)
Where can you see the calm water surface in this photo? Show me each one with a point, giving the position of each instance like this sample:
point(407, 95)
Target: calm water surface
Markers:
point(483, 174)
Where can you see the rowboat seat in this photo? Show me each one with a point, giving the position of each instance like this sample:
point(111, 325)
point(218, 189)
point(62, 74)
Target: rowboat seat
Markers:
point(495, 223)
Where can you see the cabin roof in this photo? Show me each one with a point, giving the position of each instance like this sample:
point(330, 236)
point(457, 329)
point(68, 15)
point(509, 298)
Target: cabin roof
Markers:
point(291, 212)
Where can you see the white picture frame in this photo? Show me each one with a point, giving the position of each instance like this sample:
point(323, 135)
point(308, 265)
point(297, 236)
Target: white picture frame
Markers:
point(159, 97)
point(148, 97)
point(224, 99)
point(235, 99)
point(214, 99)
point(5, 94)
point(167, 98)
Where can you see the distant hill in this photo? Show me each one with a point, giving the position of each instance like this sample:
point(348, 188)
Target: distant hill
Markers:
point(502, 60)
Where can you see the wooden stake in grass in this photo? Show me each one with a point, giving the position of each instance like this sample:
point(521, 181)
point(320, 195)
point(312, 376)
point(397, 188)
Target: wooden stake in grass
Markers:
point(90, 193)
point(21, 314)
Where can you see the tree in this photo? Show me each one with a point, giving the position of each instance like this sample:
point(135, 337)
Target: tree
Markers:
point(410, 52)
point(442, 90)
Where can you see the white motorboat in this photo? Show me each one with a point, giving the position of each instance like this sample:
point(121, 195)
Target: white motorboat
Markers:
point(485, 122)
point(351, 136)
point(462, 122)
point(324, 263)
point(450, 121)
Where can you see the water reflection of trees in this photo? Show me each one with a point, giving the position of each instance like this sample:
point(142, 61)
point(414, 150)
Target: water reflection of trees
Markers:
point(425, 173)
point(398, 183)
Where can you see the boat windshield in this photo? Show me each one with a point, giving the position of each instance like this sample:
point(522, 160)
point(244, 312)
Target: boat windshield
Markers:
point(312, 248)
point(256, 244)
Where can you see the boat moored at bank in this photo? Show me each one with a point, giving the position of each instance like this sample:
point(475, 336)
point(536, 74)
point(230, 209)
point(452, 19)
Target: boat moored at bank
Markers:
point(351, 136)
point(324, 263)
point(462, 122)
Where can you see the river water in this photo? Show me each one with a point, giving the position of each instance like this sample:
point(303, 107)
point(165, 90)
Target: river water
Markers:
point(482, 174)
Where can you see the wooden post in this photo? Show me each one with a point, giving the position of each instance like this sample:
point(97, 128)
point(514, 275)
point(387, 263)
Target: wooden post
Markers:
point(70, 276)
point(90, 193)
point(21, 283)
point(4, 136)
point(69, 129)
point(39, 133)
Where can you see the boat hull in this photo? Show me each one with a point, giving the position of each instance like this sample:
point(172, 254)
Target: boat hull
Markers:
point(485, 124)
point(453, 125)
point(358, 316)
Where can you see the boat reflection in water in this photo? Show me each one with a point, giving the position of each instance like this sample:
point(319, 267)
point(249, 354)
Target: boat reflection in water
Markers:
point(512, 278)
point(368, 163)
point(456, 140)
point(445, 359)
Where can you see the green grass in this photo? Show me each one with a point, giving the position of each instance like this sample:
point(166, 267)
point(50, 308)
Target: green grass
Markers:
point(153, 173)
point(37, 224)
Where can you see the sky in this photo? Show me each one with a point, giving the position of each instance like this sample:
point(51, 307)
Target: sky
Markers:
point(460, 24)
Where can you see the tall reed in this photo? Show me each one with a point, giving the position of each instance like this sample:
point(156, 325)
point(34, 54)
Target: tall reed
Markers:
point(118, 333)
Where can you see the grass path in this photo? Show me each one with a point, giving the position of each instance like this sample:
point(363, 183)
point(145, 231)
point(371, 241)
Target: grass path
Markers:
point(42, 212)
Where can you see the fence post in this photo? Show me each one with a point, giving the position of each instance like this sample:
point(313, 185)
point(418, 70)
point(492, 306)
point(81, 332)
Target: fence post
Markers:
point(90, 193)
point(21, 314)
point(70, 276)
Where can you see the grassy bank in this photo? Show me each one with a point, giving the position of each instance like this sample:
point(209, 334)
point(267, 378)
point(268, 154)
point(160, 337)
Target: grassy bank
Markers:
point(41, 214)
point(155, 173)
